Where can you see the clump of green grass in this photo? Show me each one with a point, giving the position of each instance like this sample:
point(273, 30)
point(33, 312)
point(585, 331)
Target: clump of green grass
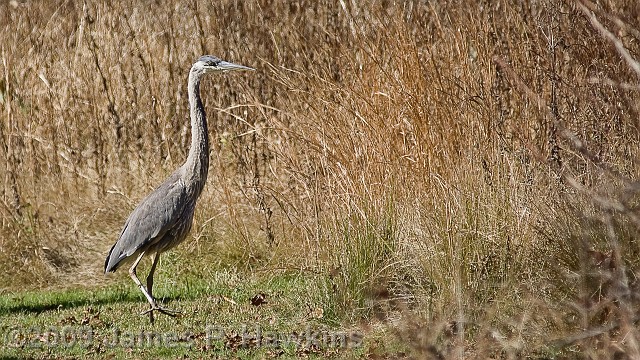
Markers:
point(363, 257)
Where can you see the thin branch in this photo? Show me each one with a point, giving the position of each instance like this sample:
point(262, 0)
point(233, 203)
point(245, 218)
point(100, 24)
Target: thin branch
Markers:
point(633, 63)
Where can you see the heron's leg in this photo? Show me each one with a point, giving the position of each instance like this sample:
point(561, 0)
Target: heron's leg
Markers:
point(132, 273)
point(147, 294)
point(154, 304)
point(156, 256)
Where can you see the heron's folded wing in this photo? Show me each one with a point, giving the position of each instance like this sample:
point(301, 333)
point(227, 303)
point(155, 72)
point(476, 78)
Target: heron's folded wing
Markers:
point(158, 213)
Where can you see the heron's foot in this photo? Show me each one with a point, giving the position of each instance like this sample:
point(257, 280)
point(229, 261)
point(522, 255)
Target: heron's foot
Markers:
point(169, 312)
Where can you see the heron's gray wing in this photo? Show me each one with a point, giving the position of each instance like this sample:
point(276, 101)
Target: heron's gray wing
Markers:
point(158, 213)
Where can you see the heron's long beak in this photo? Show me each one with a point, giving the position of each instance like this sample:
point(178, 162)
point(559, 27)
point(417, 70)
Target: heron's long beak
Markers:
point(227, 66)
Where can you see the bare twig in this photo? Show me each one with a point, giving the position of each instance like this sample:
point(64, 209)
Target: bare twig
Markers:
point(622, 50)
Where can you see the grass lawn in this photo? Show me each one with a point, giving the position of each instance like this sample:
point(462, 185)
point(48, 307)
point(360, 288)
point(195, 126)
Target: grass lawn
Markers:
point(225, 314)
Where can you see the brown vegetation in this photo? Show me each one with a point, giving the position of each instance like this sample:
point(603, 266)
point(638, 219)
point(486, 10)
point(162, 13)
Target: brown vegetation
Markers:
point(473, 164)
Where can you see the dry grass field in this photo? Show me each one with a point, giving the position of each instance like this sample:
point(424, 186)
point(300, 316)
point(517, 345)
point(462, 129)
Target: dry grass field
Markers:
point(457, 178)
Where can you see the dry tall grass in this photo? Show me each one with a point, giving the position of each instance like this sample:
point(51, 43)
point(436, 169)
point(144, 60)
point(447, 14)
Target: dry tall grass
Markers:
point(469, 163)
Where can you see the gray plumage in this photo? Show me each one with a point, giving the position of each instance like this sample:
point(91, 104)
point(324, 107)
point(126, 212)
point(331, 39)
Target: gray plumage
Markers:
point(163, 219)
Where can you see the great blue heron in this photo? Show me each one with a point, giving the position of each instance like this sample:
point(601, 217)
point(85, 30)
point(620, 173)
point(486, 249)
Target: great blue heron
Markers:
point(163, 219)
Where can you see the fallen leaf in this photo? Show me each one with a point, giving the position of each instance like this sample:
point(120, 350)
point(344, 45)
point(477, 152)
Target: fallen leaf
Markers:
point(259, 299)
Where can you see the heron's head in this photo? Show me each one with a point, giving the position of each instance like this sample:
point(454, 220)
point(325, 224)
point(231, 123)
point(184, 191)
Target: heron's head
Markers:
point(209, 63)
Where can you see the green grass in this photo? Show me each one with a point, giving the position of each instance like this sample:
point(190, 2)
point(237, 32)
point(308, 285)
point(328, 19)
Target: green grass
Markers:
point(218, 319)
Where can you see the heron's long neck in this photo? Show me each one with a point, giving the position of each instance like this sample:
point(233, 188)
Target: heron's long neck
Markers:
point(197, 164)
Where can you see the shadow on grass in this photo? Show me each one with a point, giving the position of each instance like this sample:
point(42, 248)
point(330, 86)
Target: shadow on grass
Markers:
point(35, 302)
point(38, 302)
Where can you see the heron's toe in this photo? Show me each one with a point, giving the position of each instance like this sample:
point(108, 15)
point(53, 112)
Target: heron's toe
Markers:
point(169, 312)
